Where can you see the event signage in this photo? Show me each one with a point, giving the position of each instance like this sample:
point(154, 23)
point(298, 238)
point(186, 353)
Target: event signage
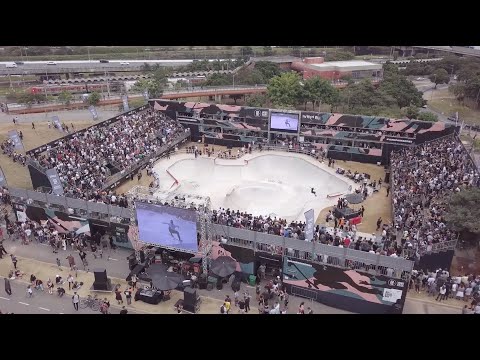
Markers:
point(93, 111)
point(309, 224)
point(3, 181)
point(404, 141)
point(56, 123)
point(54, 179)
point(17, 142)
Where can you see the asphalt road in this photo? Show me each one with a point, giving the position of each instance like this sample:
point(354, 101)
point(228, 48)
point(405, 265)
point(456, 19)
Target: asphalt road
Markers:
point(41, 302)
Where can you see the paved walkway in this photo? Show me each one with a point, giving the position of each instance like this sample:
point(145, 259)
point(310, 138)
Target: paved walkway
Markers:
point(44, 266)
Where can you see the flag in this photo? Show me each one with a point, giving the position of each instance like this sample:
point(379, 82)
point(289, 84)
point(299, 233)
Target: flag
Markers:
point(55, 182)
point(125, 103)
point(309, 224)
point(93, 111)
point(17, 142)
point(3, 181)
point(56, 122)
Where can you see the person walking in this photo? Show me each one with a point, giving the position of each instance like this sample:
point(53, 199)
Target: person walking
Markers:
point(75, 300)
point(70, 281)
point(8, 289)
point(33, 125)
point(71, 261)
point(134, 281)
point(128, 296)
point(118, 296)
point(247, 301)
point(29, 291)
point(2, 250)
point(14, 261)
point(441, 294)
point(379, 223)
point(123, 311)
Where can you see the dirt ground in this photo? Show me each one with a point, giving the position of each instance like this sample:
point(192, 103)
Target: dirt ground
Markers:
point(16, 174)
point(376, 205)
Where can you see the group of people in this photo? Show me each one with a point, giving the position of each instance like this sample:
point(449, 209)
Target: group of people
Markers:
point(442, 286)
point(422, 176)
point(83, 162)
point(8, 148)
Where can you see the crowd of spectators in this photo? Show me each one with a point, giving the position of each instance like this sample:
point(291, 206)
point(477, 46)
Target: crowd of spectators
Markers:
point(84, 162)
point(343, 234)
point(422, 176)
point(442, 286)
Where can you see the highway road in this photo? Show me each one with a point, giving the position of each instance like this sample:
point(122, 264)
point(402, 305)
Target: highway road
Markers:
point(41, 67)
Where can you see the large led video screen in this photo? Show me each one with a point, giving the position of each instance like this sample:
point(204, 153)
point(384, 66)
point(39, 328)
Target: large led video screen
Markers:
point(287, 122)
point(167, 226)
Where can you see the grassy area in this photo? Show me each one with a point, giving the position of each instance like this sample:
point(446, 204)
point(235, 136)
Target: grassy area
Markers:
point(449, 106)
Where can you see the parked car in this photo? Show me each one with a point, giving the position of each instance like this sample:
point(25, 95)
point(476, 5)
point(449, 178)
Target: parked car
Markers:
point(452, 118)
point(51, 63)
point(124, 63)
point(19, 62)
point(103, 61)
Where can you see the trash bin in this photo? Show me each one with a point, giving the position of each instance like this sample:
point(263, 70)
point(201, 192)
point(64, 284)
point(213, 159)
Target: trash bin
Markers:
point(252, 280)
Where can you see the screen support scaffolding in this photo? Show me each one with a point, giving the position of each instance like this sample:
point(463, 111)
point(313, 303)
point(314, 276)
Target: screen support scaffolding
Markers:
point(202, 205)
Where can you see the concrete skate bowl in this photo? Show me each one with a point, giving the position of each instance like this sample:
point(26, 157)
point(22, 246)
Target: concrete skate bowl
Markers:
point(277, 185)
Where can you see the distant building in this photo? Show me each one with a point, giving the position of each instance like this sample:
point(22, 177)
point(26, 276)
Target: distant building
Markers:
point(335, 70)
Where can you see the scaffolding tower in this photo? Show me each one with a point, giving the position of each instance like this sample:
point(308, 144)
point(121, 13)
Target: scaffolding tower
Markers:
point(201, 204)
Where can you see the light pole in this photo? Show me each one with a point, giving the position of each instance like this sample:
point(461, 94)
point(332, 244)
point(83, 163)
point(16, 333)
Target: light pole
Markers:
point(88, 50)
point(233, 80)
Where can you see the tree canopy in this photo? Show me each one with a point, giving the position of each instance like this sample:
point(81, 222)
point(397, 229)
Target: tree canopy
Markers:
point(440, 76)
point(94, 98)
point(427, 116)
point(285, 90)
point(153, 85)
point(463, 211)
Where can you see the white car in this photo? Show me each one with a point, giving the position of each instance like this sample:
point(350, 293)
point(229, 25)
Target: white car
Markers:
point(420, 79)
point(51, 63)
point(124, 63)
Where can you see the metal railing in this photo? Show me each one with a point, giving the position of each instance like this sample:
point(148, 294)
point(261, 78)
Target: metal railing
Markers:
point(314, 252)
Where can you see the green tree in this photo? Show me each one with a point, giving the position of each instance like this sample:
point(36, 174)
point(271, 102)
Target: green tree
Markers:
point(219, 80)
point(285, 89)
point(318, 90)
point(94, 98)
point(267, 51)
point(154, 85)
point(458, 89)
point(248, 76)
point(268, 69)
point(257, 100)
point(439, 76)
point(235, 97)
point(463, 213)
point(427, 116)
point(246, 50)
point(65, 97)
point(145, 68)
point(401, 89)
point(411, 112)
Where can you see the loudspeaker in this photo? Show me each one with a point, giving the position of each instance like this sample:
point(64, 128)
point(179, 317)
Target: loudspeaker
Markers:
point(132, 263)
point(189, 296)
point(189, 307)
point(387, 177)
point(142, 256)
point(100, 275)
point(106, 286)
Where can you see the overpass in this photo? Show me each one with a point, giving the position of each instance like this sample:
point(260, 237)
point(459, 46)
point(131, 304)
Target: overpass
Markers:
point(216, 92)
point(70, 67)
point(458, 50)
